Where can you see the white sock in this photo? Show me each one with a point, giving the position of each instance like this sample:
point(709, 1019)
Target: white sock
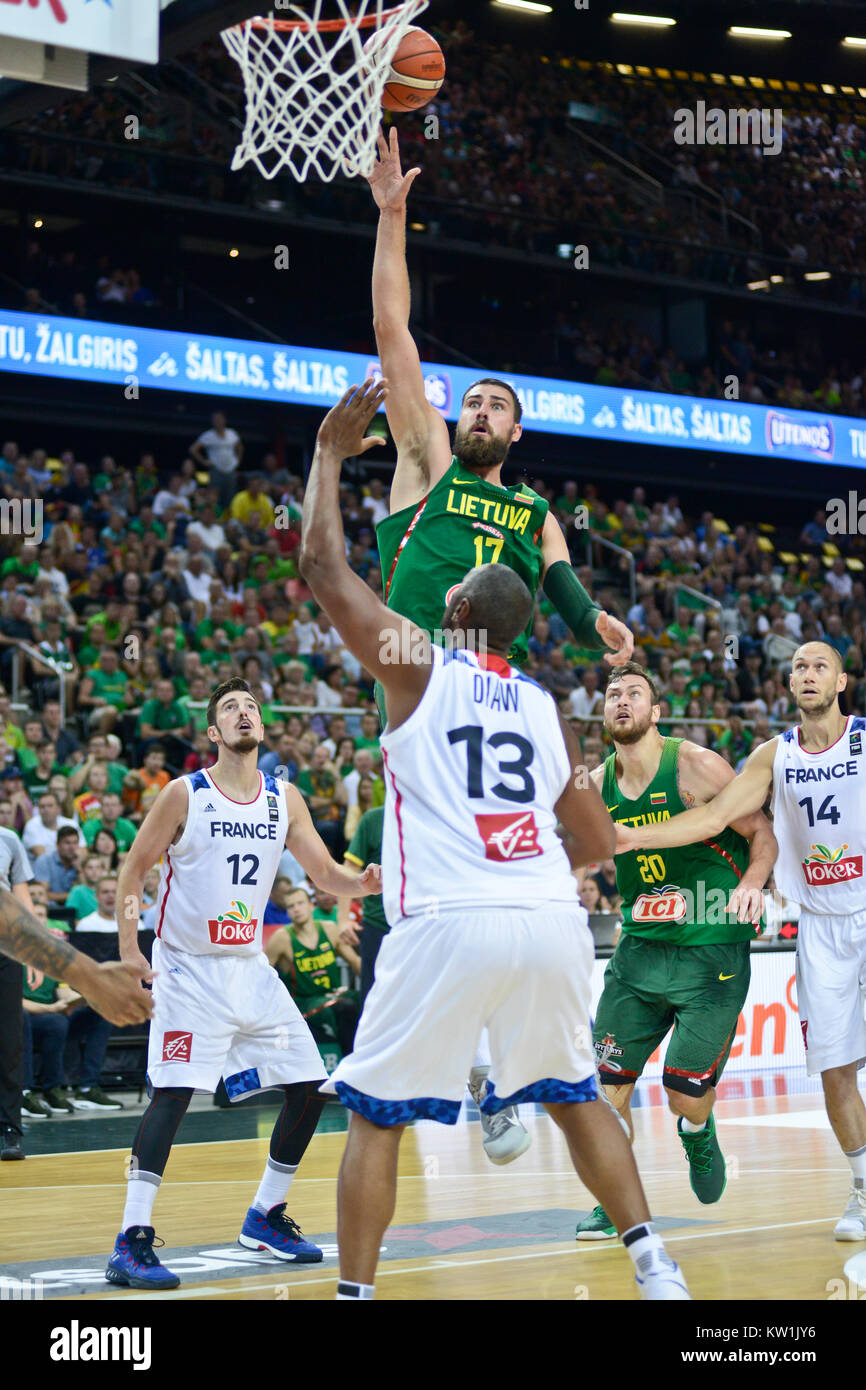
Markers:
point(345, 1290)
point(274, 1186)
point(141, 1190)
point(645, 1247)
point(688, 1128)
point(857, 1159)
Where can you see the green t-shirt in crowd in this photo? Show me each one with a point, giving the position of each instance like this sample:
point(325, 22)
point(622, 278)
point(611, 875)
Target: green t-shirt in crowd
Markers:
point(82, 900)
point(198, 716)
point(123, 831)
point(109, 687)
point(160, 716)
point(44, 992)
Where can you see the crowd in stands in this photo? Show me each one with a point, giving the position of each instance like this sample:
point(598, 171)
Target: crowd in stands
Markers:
point(146, 592)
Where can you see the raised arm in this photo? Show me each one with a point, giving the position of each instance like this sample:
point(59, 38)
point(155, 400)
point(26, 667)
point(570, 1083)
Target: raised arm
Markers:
point(742, 797)
point(420, 433)
point(590, 625)
point(390, 647)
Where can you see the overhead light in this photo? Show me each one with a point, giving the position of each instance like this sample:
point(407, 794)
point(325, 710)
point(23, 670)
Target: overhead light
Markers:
point(817, 275)
point(38, 223)
point(777, 279)
point(758, 285)
point(745, 31)
point(652, 19)
point(531, 5)
point(234, 253)
point(853, 42)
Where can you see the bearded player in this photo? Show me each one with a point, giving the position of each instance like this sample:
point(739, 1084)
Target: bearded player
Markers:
point(683, 956)
point(817, 777)
point(451, 511)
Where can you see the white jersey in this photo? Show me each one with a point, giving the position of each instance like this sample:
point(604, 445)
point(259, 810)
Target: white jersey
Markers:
point(473, 776)
point(216, 881)
point(819, 818)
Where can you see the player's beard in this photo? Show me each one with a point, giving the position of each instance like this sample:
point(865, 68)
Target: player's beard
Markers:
point(244, 743)
point(625, 735)
point(817, 711)
point(480, 451)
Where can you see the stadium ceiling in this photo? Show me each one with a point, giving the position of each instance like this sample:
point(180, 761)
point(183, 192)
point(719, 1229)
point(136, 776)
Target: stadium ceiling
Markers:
point(699, 39)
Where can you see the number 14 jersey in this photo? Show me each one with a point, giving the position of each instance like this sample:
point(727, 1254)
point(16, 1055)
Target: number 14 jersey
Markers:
point(216, 881)
point(819, 817)
point(473, 776)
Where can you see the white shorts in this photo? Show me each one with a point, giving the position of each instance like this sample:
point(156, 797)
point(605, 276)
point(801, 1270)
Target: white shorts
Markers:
point(831, 989)
point(524, 975)
point(226, 1016)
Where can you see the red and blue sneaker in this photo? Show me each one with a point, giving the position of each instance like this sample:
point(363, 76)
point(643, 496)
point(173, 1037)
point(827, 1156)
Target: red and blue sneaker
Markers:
point(134, 1264)
point(280, 1235)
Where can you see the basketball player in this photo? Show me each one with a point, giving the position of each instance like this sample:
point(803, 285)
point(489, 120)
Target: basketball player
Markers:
point(818, 782)
point(219, 1007)
point(451, 511)
point(486, 928)
point(683, 956)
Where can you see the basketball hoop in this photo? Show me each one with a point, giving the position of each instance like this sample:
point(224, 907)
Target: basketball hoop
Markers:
point(313, 92)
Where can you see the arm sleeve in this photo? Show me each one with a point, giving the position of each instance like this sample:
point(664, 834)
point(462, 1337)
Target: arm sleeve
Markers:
point(573, 604)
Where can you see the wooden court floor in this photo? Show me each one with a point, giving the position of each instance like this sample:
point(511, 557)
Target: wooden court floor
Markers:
point(468, 1230)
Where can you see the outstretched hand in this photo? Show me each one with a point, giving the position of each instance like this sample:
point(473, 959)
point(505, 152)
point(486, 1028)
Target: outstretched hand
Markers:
point(615, 634)
point(342, 430)
point(389, 184)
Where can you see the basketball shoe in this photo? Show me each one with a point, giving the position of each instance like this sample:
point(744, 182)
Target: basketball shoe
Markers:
point(660, 1279)
point(279, 1234)
point(852, 1225)
point(33, 1107)
point(596, 1226)
point(133, 1263)
point(503, 1136)
point(707, 1172)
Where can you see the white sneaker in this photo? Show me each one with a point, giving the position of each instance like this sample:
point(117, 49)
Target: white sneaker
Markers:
point(504, 1137)
point(662, 1280)
point(853, 1223)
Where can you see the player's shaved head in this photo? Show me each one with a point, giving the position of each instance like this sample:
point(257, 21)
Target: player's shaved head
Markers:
point(492, 601)
point(808, 649)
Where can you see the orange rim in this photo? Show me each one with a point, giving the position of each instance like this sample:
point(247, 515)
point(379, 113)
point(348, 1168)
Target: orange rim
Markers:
point(324, 26)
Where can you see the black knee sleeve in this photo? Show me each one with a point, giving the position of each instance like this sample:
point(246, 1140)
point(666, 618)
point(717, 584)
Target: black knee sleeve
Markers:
point(296, 1122)
point(159, 1124)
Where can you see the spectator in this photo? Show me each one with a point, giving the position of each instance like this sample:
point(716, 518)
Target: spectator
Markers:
point(326, 799)
point(40, 832)
point(365, 801)
point(221, 450)
point(252, 507)
point(110, 819)
point(82, 896)
point(58, 868)
point(587, 699)
point(142, 787)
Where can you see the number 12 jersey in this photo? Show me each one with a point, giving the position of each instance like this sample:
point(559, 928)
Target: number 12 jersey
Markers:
point(216, 881)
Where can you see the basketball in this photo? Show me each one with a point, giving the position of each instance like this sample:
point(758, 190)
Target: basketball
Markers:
point(416, 73)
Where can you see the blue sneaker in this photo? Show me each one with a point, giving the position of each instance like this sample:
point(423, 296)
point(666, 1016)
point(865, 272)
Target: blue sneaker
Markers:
point(277, 1233)
point(134, 1264)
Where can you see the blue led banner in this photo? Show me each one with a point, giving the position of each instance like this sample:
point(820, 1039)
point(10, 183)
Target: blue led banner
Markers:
point(79, 350)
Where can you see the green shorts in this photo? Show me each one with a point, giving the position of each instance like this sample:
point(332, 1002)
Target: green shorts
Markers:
point(650, 986)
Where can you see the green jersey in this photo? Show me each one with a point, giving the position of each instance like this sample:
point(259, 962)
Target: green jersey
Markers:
point(315, 970)
point(366, 848)
point(675, 895)
point(463, 522)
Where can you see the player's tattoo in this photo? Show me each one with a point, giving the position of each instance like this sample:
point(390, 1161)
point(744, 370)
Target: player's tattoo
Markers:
point(687, 799)
point(25, 939)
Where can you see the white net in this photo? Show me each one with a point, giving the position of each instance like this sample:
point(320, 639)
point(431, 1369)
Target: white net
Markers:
point(313, 93)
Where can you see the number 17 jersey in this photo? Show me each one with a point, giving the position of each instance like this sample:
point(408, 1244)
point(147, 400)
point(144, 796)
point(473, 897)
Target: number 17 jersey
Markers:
point(216, 881)
point(473, 776)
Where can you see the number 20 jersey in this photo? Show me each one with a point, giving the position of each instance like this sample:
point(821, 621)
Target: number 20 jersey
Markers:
point(472, 778)
point(819, 819)
point(216, 881)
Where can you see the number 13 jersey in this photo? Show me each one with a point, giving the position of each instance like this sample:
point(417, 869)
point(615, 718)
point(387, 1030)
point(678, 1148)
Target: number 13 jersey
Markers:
point(216, 881)
point(819, 818)
point(473, 776)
